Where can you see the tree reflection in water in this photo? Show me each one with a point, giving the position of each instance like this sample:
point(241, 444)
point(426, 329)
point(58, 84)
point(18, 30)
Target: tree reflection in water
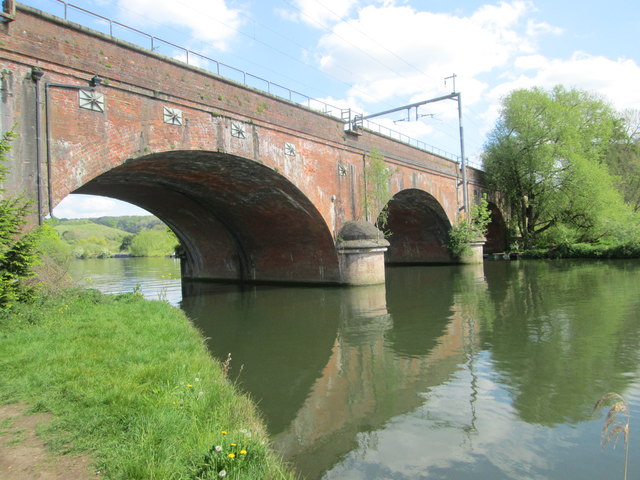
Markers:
point(450, 362)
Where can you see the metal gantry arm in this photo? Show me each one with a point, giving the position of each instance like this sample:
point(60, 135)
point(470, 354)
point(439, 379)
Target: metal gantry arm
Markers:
point(412, 105)
point(463, 163)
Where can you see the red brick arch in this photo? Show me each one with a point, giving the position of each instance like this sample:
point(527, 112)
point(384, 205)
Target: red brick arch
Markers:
point(236, 218)
point(419, 229)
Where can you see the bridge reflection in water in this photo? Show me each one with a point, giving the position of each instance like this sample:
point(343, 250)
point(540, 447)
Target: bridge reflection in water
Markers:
point(462, 372)
point(326, 365)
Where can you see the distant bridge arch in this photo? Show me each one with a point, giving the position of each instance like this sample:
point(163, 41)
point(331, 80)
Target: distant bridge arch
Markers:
point(419, 228)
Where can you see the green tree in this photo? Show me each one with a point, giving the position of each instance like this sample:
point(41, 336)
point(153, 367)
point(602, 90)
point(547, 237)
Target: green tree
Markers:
point(92, 247)
point(623, 160)
point(546, 158)
point(18, 254)
point(153, 243)
point(126, 242)
point(51, 245)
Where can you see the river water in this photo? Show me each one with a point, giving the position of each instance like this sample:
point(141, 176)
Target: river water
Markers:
point(448, 372)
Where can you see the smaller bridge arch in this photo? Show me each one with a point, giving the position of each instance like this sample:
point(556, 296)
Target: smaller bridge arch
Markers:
point(419, 229)
point(237, 219)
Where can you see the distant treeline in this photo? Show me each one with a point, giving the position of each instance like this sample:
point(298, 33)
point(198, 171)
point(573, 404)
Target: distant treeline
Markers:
point(130, 223)
point(138, 236)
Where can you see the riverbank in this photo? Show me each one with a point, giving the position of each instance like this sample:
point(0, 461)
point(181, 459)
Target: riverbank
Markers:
point(130, 381)
point(585, 250)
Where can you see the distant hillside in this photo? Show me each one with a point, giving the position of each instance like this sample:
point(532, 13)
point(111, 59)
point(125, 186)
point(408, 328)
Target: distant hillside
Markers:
point(90, 239)
point(105, 236)
point(129, 224)
point(132, 224)
point(74, 231)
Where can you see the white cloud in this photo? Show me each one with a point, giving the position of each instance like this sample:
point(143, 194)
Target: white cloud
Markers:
point(410, 127)
point(330, 104)
point(212, 22)
point(388, 51)
point(91, 206)
point(542, 28)
point(317, 14)
point(530, 62)
point(616, 79)
point(395, 54)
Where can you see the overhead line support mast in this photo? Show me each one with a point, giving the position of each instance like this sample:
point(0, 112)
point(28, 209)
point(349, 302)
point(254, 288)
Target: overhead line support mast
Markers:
point(452, 96)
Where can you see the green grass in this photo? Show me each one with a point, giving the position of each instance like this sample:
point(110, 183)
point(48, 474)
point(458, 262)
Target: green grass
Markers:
point(130, 381)
point(5, 424)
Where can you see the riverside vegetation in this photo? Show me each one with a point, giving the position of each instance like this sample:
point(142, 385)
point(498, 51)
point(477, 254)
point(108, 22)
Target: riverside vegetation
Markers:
point(131, 381)
point(127, 380)
point(566, 169)
point(616, 424)
point(103, 237)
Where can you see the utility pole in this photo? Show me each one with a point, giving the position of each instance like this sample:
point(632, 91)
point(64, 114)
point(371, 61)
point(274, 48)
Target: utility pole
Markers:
point(463, 161)
point(452, 96)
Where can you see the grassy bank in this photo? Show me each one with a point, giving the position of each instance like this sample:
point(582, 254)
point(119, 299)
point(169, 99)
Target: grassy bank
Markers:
point(585, 250)
point(130, 381)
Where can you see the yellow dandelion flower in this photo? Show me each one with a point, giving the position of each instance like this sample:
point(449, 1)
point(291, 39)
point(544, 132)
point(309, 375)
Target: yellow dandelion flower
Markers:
point(189, 386)
point(234, 444)
point(232, 455)
point(243, 452)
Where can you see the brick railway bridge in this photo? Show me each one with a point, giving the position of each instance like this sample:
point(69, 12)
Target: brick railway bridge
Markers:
point(256, 187)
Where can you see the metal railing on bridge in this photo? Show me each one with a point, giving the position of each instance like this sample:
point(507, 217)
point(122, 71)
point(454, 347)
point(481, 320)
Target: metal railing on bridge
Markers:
point(155, 44)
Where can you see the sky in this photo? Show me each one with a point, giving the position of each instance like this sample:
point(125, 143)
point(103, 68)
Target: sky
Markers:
point(376, 55)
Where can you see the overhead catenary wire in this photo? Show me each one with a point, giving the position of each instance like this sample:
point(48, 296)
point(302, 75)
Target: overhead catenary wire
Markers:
point(449, 133)
point(409, 64)
point(254, 38)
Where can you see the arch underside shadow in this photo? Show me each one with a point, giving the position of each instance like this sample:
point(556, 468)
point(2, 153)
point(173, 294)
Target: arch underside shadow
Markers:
point(236, 219)
point(419, 229)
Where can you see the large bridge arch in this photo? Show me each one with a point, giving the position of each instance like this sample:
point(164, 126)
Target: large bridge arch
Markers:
point(236, 218)
point(419, 229)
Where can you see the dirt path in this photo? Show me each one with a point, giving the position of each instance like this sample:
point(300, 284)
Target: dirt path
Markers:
point(23, 455)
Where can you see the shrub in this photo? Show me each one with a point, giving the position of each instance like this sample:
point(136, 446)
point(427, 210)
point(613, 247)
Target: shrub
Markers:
point(18, 253)
point(153, 243)
point(468, 230)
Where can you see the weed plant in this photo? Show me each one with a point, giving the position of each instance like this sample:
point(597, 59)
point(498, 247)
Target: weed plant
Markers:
point(470, 229)
point(616, 424)
point(130, 381)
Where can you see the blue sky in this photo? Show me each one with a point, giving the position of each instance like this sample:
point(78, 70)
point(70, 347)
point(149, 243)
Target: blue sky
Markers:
point(374, 55)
